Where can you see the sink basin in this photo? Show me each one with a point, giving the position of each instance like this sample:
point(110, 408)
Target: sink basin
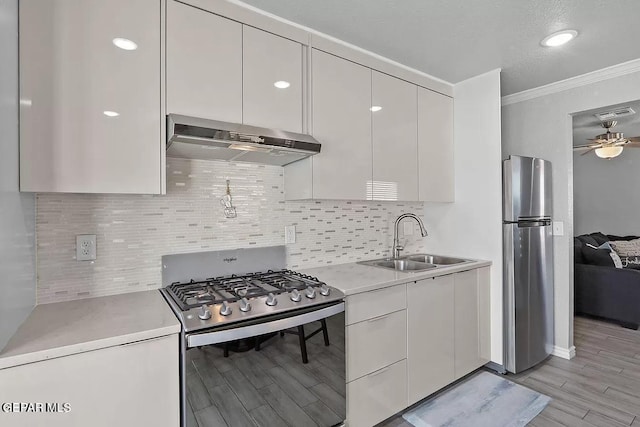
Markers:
point(399, 264)
point(435, 259)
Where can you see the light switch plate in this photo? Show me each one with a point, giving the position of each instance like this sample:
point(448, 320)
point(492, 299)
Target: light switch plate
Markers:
point(86, 247)
point(558, 228)
point(289, 234)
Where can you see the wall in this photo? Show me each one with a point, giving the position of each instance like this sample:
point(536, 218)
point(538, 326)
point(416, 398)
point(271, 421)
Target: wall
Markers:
point(17, 211)
point(472, 225)
point(605, 194)
point(134, 231)
point(541, 127)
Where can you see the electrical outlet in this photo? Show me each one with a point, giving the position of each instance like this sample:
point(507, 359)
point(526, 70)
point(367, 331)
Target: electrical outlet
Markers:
point(289, 234)
point(86, 247)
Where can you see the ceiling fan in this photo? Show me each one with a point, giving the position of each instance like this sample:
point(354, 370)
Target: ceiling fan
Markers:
point(610, 144)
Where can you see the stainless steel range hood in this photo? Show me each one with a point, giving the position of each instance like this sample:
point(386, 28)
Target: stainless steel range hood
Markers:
point(194, 138)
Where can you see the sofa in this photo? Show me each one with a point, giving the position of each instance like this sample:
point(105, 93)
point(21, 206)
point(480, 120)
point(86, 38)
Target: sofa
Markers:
point(600, 288)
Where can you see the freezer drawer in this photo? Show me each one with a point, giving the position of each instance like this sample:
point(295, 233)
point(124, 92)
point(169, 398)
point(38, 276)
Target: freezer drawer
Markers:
point(528, 293)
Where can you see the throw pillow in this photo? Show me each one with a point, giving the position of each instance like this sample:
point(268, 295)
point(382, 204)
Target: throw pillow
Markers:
point(630, 248)
point(617, 261)
point(595, 256)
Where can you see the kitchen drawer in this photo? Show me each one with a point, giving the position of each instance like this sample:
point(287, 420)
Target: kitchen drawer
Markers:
point(376, 343)
point(377, 396)
point(368, 305)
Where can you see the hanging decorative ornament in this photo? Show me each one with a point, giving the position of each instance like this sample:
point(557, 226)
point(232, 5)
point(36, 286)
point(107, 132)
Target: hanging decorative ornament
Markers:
point(229, 209)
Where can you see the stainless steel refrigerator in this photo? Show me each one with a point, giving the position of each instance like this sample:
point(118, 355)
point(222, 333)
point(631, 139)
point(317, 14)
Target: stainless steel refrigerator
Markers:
point(528, 262)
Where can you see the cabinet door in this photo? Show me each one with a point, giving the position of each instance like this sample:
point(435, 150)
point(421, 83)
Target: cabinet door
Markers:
point(484, 313)
point(376, 343)
point(430, 324)
point(435, 147)
point(269, 64)
point(467, 331)
point(395, 144)
point(90, 112)
point(377, 396)
point(204, 64)
point(341, 92)
point(127, 385)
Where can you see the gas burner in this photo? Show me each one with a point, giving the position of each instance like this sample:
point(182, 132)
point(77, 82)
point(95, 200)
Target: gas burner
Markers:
point(234, 288)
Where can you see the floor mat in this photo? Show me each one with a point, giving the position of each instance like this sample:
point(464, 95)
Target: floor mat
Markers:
point(483, 400)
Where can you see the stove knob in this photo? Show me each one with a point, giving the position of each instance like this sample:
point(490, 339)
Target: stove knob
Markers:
point(204, 313)
point(245, 305)
point(324, 290)
point(295, 296)
point(271, 300)
point(310, 292)
point(225, 310)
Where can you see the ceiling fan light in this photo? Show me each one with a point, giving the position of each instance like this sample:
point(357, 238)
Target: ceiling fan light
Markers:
point(609, 152)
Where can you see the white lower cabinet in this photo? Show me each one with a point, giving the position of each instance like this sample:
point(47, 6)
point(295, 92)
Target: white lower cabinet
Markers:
point(430, 324)
point(471, 320)
point(377, 396)
point(376, 338)
point(406, 342)
point(126, 385)
point(376, 343)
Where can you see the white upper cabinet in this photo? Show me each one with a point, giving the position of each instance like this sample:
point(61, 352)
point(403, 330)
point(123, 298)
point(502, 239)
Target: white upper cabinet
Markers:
point(395, 146)
point(204, 64)
point(90, 111)
point(271, 80)
point(341, 94)
point(435, 147)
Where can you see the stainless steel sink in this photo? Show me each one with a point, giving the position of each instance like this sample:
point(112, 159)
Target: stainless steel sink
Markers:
point(435, 259)
point(416, 262)
point(399, 264)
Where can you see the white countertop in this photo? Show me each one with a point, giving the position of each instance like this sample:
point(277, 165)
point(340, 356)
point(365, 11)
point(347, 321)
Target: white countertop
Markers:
point(65, 328)
point(355, 278)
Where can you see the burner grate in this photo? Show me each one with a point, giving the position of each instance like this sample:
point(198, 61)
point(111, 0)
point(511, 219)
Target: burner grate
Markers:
point(232, 288)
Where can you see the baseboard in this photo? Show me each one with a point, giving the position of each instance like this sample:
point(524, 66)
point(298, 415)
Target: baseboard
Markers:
point(496, 367)
point(565, 353)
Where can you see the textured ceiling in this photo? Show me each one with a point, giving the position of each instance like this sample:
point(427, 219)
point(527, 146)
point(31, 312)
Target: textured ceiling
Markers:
point(586, 125)
point(458, 39)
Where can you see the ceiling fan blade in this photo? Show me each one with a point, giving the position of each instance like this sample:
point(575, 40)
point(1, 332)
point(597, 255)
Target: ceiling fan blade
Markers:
point(588, 151)
point(633, 144)
point(634, 139)
point(586, 146)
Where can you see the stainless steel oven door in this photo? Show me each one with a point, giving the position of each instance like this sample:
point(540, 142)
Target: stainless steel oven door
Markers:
point(278, 372)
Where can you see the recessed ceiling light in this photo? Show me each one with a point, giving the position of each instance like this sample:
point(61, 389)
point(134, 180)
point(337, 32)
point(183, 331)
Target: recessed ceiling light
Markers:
point(125, 44)
point(281, 84)
point(559, 38)
point(110, 113)
point(375, 108)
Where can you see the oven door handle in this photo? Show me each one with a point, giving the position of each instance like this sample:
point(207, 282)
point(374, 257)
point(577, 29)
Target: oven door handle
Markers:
point(216, 337)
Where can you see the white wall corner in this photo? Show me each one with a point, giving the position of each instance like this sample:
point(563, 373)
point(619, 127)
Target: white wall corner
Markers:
point(564, 353)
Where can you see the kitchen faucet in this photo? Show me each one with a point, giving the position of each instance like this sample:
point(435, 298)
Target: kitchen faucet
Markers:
point(396, 244)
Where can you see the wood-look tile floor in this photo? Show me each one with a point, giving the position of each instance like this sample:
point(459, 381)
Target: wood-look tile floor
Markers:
point(599, 387)
point(271, 387)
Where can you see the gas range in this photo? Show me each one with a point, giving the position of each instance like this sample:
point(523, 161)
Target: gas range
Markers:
point(227, 308)
point(216, 302)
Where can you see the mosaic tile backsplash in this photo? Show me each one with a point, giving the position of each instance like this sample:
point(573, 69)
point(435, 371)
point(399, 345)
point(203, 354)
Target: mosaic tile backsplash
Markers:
point(134, 231)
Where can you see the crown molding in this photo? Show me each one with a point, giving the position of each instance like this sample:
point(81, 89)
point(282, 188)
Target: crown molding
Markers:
point(574, 82)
